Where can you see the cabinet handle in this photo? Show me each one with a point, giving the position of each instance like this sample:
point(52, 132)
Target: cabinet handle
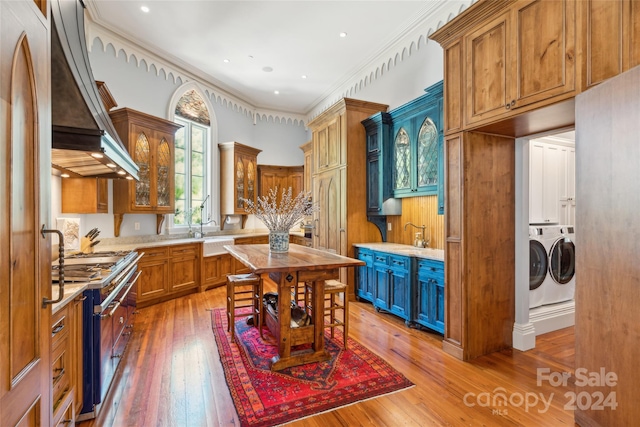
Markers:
point(57, 377)
point(57, 329)
point(315, 228)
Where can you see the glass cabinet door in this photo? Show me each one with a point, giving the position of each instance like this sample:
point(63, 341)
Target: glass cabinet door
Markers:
point(251, 181)
point(427, 154)
point(142, 159)
point(239, 183)
point(402, 156)
point(164, 170)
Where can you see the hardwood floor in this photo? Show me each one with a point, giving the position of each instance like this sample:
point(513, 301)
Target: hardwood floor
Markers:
point(172, 376)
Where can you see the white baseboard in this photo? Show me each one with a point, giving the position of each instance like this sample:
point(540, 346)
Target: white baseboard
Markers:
point(524, 336)
point(548, 318)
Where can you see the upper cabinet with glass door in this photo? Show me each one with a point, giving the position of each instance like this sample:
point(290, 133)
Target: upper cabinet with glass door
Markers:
point(417, 145)
point(150, 141)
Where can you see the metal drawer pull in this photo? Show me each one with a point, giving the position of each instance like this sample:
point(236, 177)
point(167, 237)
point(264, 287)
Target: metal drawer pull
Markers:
point(57, 377)
point(57, 329)
point(112, 312)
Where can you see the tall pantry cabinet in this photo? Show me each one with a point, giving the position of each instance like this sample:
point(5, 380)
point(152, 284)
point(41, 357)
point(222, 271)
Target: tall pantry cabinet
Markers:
point(339, 180)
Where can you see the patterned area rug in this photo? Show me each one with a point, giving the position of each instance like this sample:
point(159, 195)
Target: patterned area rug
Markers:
point(266, 398)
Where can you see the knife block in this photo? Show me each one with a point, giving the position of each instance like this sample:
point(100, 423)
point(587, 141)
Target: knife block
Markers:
point(85, 245)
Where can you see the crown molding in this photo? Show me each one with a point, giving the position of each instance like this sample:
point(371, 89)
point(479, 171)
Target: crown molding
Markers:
point(400, 47)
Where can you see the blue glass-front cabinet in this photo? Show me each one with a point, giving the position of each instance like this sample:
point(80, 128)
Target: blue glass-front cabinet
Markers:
point(417, 147)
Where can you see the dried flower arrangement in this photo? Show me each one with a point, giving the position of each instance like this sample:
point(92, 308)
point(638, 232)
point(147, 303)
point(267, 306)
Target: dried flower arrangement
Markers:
point(284, 215)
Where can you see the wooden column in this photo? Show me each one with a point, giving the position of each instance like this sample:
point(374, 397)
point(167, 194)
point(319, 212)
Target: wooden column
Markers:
point(479, 243)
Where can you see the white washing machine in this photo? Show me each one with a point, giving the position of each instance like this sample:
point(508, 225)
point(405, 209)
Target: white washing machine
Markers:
point(552, 260)
point(541, 238)
point(561, 283)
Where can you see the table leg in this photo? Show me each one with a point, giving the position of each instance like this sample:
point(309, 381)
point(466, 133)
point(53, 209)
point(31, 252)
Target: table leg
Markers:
point(317, 296)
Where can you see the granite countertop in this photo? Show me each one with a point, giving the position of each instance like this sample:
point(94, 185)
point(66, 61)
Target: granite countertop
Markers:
point(141, 243)
point(71, 290)
point(406, 250)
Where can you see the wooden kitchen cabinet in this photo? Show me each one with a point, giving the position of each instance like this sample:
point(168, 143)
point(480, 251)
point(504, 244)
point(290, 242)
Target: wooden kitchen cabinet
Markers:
point(168, 272)
point(279, 178)
point(612, 42)
point(64, 354)
point(503, 56)
point(215, 270)
point(238, 179)
point(150, 141)
point(77, 348)
point(307, 149)
point(339, 165)
point(184, 267)
point(153, 283)
point(85, 195)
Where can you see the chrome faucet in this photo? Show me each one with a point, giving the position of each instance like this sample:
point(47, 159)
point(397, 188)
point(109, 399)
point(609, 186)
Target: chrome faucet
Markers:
point(421, 242)
point(209, 220)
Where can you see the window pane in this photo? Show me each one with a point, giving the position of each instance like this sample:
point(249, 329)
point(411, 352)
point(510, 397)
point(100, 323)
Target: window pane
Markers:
point(180, 142)
point(197, 189)
point(180, 164)
point(197, 164)
point(198, 135)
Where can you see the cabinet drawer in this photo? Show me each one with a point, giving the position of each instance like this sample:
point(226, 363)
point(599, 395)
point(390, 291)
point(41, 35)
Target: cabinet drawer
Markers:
point(365, 255)
point(381, 258)
point(184, 251)
point(60, 370)
point(60, 325)
point(152, 253)
point(431, 266)
point(399, 262)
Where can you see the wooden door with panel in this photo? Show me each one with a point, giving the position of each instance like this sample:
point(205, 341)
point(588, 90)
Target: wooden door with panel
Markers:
point(25, 264)
point(327, 219)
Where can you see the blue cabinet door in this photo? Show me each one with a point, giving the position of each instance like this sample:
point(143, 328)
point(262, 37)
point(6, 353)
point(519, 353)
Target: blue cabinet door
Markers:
point(430, 299)
point(400, 286)
point(365, 276)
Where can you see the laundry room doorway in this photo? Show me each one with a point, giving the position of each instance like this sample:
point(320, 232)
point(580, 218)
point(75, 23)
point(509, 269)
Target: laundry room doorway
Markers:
point(545, 235)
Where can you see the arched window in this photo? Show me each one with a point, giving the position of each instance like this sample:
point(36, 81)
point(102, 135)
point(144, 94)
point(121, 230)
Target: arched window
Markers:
point(193, 162)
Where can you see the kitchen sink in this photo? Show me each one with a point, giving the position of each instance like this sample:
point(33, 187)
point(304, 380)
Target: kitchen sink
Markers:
point(214, 245)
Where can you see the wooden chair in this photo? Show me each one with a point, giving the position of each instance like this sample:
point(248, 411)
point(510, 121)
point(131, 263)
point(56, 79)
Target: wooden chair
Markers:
point(336, 309)
point(244, 298)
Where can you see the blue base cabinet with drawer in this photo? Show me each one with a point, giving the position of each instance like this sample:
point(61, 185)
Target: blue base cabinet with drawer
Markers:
point(408, 287)
point(365, 275)
point(430, 300)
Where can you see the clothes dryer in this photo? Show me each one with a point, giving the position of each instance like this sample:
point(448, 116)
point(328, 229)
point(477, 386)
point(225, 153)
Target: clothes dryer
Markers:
point(561, 283)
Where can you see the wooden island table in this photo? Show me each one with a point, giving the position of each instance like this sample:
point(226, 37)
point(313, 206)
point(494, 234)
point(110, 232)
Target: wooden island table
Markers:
point(299, 264)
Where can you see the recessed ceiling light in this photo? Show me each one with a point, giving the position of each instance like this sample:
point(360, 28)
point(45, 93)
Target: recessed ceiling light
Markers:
point(343, 34)
point(226, 61)
point(304, 76)
point(129, 177)
point(65, 175)
point(97, 155)
point(111, 165)
point(121, 172)
point(145, 9)
point(267, 69)
point(277, 92)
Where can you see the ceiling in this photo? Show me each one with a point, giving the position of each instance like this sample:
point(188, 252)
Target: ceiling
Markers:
point(270, 45)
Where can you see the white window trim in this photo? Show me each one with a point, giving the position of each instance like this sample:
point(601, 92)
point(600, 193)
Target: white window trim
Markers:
point(214, 159)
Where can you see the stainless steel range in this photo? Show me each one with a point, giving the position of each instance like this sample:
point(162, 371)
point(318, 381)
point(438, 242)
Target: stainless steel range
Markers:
point(107, 316)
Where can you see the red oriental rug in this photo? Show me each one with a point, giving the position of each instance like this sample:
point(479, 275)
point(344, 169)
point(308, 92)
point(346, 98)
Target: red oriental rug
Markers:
point(266, 398)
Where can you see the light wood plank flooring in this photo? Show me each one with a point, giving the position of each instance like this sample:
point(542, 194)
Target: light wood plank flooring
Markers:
point(171, 376)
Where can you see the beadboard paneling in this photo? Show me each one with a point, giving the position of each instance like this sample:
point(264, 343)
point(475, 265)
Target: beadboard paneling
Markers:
point(419, 211)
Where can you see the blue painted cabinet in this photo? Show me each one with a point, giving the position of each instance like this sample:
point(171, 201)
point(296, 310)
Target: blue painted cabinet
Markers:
point(430, 298)
point(365, 275)
point(411, 288)
point(417, 145)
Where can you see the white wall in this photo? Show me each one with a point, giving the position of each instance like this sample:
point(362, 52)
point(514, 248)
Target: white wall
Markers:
point(141, 87)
